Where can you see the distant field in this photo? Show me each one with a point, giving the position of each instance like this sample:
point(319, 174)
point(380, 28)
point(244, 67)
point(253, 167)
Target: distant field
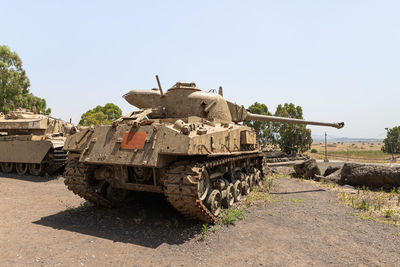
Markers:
point(356, 151)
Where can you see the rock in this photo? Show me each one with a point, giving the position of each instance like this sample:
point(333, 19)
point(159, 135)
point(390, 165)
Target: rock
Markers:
point(334, 177)
point(348, 186)
point(349, 189)
point(284, 170)
point(331, 169)
point(307, 169)
point(370, 175)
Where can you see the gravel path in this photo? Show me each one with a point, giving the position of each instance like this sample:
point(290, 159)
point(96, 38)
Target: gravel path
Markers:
point(304, 225)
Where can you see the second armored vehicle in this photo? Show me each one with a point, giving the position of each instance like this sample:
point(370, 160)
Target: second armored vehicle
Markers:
point(187, 144)
point(32, 143)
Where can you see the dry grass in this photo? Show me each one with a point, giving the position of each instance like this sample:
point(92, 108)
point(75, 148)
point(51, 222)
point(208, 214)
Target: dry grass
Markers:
point(377, 205)
point(260, 195)
point(357, 151)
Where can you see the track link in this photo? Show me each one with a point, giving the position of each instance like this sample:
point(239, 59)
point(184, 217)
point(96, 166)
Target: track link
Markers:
point(74, 176)
point(181, 185)
point(57, 160)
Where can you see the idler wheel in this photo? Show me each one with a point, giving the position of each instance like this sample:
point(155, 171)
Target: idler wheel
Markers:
point(203, 185)
point(237, 189)
point(214, 202)
point(246, 186)
point(7, 167)
point(36, 169)
point(115, 195)
point(228, 200)
point(21, 168)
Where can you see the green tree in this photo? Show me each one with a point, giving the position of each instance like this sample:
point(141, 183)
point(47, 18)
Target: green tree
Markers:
point(14, 85)
point(391, 144)
point(101, 115)
point(291, 136)
point(262, 128)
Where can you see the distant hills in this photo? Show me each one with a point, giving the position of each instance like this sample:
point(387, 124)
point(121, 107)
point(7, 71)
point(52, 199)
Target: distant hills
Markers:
point(337, 139)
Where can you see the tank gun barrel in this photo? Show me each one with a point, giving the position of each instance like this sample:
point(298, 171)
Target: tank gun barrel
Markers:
point(258, 117)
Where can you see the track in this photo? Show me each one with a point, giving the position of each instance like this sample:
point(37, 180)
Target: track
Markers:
point(181, 186)
point(75, 181)
point(57, 159)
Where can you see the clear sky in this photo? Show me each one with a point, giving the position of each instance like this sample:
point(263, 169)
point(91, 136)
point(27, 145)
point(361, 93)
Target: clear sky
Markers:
point(339, 60)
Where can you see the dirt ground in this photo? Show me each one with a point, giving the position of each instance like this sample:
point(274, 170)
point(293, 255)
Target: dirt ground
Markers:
point(303, 225)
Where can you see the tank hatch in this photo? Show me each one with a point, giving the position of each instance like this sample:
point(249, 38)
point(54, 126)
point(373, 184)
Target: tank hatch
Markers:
point(181, 85)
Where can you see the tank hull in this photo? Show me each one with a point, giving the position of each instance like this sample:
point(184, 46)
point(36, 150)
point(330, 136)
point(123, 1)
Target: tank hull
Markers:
point(31, 155)
point(163, 156)
point(24, 151)
point(32, 143)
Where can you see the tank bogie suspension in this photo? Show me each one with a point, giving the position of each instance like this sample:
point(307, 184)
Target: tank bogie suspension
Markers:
point(232, 181)
point(197, 189)
point(202, 189)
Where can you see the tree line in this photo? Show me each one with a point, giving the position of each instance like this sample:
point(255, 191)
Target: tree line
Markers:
point(289, 137)
point(15, 93)
point(14, 85)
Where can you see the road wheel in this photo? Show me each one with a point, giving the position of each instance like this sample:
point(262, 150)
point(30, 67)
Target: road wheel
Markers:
point(246, 186)
point(251, 181)
point(230, 196)
point(214, 202)
point(257, 178)
point(237, 188)
point(203, 185)
point(36, 169)
point(7, 167)
point(21, 168)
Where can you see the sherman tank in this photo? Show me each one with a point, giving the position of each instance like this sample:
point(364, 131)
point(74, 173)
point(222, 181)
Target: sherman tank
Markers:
point(32, 143)
point(187, 144)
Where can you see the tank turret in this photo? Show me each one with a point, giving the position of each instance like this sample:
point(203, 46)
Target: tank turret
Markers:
point(22, 122)
point(185, 99)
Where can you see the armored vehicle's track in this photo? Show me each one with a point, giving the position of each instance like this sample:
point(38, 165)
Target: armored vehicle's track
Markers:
point(74, 176)
point(181, 185)
point(58, 159)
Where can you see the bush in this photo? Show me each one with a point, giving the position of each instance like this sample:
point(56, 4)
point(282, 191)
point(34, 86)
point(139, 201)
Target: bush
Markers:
point(314, 150)
point(231, 215)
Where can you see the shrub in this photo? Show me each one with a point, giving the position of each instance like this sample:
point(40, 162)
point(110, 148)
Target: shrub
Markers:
point(231, 215)
point(314, 150)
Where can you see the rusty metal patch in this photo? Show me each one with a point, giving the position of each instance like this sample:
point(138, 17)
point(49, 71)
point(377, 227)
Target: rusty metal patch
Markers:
point(133, 140)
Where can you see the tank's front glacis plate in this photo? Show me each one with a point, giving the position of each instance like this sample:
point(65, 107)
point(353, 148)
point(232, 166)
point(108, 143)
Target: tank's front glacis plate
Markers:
point(146, 144)
point(121, 145)
point(138, 146)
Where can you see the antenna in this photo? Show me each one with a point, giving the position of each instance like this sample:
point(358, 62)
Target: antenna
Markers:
point(159, 85)
point(220, 91)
